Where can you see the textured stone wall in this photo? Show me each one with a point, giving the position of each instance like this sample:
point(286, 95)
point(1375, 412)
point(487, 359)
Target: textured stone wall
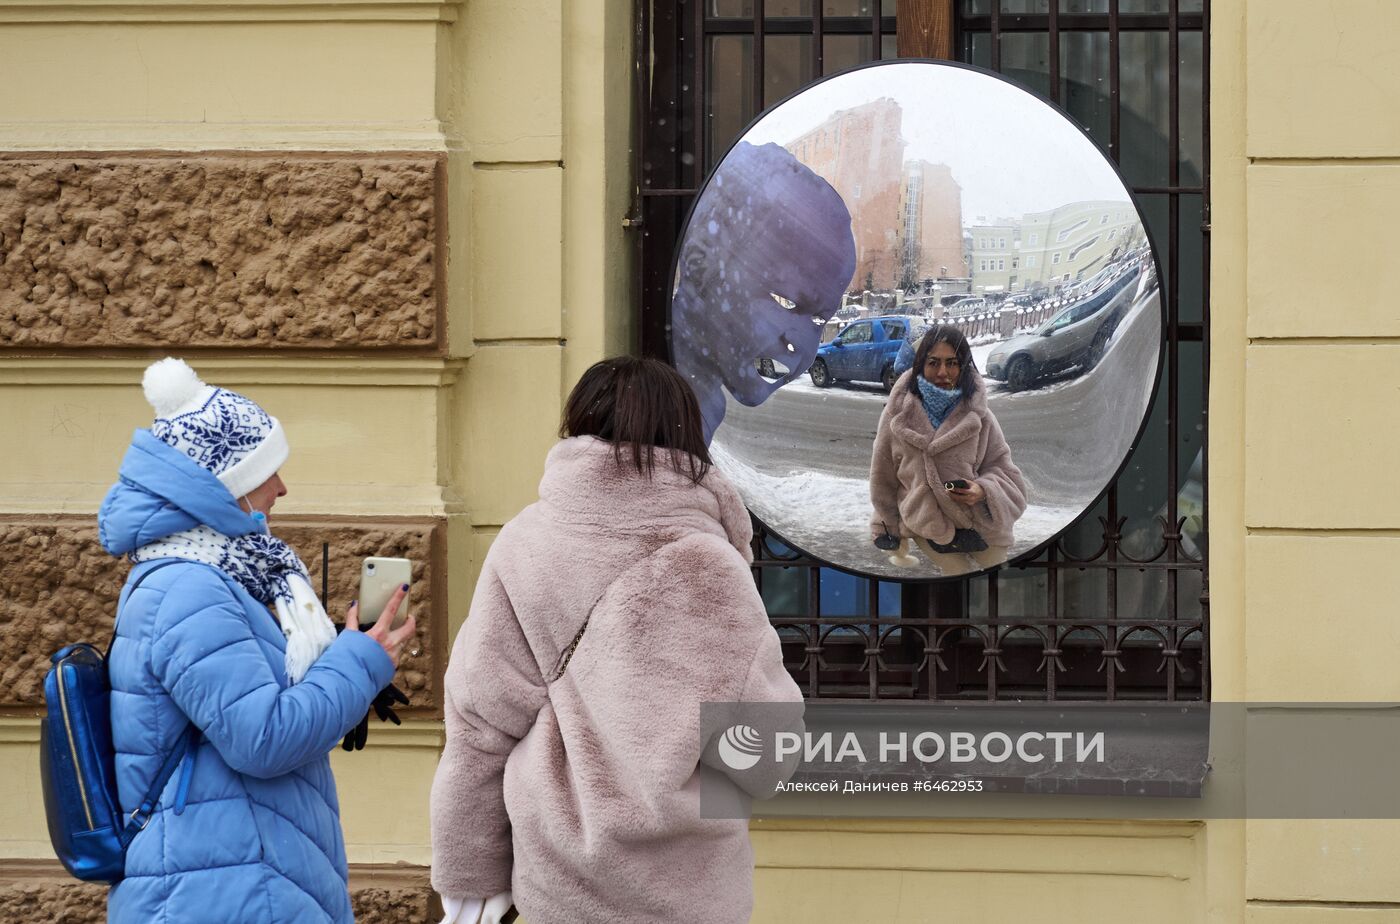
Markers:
point(42, 893)
point(58, 586)
point(52, 900)
point(219, 251)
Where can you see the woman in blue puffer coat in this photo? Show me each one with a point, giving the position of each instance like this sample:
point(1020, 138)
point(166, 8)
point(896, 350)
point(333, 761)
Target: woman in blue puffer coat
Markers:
point(255, 838)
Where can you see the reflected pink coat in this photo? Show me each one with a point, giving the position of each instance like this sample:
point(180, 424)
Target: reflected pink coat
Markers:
point(581, 795)
point(912, 460)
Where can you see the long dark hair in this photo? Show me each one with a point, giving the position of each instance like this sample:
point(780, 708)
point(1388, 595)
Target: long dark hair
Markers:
point(945, 333)
point(639, 405)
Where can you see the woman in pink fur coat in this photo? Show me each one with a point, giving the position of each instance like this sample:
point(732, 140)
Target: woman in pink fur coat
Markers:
point(605, 614)
point(935, 430)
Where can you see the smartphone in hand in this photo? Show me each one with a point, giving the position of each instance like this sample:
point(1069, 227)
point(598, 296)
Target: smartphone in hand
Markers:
point(956, 485)
point(379, 578)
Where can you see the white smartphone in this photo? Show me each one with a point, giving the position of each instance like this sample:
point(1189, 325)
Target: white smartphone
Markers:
point(379, 578)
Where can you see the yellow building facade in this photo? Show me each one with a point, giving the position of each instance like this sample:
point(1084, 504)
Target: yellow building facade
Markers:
point(499, 134)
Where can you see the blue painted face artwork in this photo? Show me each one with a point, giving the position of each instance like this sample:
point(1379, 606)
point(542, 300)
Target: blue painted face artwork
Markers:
point(766, 258)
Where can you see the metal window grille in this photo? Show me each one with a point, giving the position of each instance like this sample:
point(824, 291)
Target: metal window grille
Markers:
point(1118, 607)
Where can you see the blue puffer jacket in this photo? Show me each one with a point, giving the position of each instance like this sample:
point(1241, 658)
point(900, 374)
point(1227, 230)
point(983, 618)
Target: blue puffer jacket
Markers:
point(260, 840)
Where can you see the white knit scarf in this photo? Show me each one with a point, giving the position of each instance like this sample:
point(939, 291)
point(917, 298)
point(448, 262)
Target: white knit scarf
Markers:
point(272, 574)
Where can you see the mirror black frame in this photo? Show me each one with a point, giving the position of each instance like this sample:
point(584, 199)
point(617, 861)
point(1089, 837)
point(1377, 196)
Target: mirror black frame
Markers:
point(1163, 303)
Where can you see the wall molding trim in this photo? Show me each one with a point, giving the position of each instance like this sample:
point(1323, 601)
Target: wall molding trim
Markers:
point(176, 137)
point(243, 11)
point(82, 370)
point(21, 726)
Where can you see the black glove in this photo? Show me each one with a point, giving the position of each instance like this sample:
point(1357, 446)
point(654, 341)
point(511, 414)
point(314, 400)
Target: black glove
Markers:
point(355, 738)
point(383, 706)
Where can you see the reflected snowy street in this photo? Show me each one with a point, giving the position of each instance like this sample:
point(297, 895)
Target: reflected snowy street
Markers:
point(802, 458)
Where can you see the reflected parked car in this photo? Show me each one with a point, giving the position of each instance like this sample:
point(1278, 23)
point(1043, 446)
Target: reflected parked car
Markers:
point(1077, 335)
point(864, 351)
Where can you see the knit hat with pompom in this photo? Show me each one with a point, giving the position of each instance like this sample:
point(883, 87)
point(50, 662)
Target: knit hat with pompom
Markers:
point(226, 433)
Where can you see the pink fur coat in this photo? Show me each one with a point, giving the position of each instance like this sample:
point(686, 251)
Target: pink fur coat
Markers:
point(581, 794)
point(912, 460)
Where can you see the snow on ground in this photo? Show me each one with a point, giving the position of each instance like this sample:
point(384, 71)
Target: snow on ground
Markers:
point(828, 516)
point(804, 385)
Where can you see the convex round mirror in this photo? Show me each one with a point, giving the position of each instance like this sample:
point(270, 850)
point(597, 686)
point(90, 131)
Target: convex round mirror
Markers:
point(922, 316)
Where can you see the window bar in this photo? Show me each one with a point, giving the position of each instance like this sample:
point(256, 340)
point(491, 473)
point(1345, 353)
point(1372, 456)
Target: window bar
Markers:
point(699, 52)
point(1054, 53)
point(873, 642)
point(818, 26)
point(1078, 22)
point(931, 624)
point(759, 77)
point(1052, 590)
point(1205, 347)
point(641, 103)
point(993, 602)
point(1112, 529)
point(996, 36)
point(1113, 536)
point(1173, 277)
point(1114, 113)
point(814, 629)
point(877, 26)
point(1166, 190)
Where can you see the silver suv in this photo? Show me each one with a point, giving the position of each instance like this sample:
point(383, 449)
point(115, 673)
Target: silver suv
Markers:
point(1077, 335)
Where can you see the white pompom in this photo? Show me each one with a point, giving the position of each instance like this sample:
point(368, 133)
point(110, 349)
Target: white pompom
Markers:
point(169, 385)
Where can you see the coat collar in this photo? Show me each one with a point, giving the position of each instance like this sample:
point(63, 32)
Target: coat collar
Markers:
point(911, 424)
point(583, 483)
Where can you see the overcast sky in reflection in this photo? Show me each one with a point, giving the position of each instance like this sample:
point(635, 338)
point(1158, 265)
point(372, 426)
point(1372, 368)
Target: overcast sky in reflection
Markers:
point(1010, 152)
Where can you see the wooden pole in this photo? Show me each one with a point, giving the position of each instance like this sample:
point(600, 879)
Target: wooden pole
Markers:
point(925, 28)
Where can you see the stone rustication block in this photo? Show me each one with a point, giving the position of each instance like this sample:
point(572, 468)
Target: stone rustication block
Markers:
point(58, 586)
point(219, 251)
point(38, 892)
point(51, 899)
point(404, 903)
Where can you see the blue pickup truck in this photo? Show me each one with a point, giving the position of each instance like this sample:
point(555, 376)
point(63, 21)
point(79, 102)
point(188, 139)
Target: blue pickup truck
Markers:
point(864, 351)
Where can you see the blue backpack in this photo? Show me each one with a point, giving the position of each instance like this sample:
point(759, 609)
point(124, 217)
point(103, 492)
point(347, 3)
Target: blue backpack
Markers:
point(77, 763)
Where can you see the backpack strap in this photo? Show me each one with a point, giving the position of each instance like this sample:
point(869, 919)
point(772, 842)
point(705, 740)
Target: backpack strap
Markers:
point(185, 745)
point(142, 816)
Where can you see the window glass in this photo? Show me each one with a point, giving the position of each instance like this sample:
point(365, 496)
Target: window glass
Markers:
point(857, 333)
point(697, 128)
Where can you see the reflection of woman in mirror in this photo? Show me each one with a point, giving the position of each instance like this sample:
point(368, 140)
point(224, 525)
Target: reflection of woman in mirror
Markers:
point(936, 430)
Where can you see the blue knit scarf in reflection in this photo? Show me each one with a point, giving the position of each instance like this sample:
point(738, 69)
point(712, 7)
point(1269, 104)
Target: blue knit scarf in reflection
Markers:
point(938, 402)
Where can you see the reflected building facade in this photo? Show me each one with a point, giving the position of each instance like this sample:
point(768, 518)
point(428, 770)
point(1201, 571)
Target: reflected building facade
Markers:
point(860, 152)
point(994, 262)
point(906, 217)
point(1047, 251)
point(931, 232)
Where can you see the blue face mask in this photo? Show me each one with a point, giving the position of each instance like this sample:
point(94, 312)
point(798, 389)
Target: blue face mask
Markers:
point(259, 518)
point(938, 402)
